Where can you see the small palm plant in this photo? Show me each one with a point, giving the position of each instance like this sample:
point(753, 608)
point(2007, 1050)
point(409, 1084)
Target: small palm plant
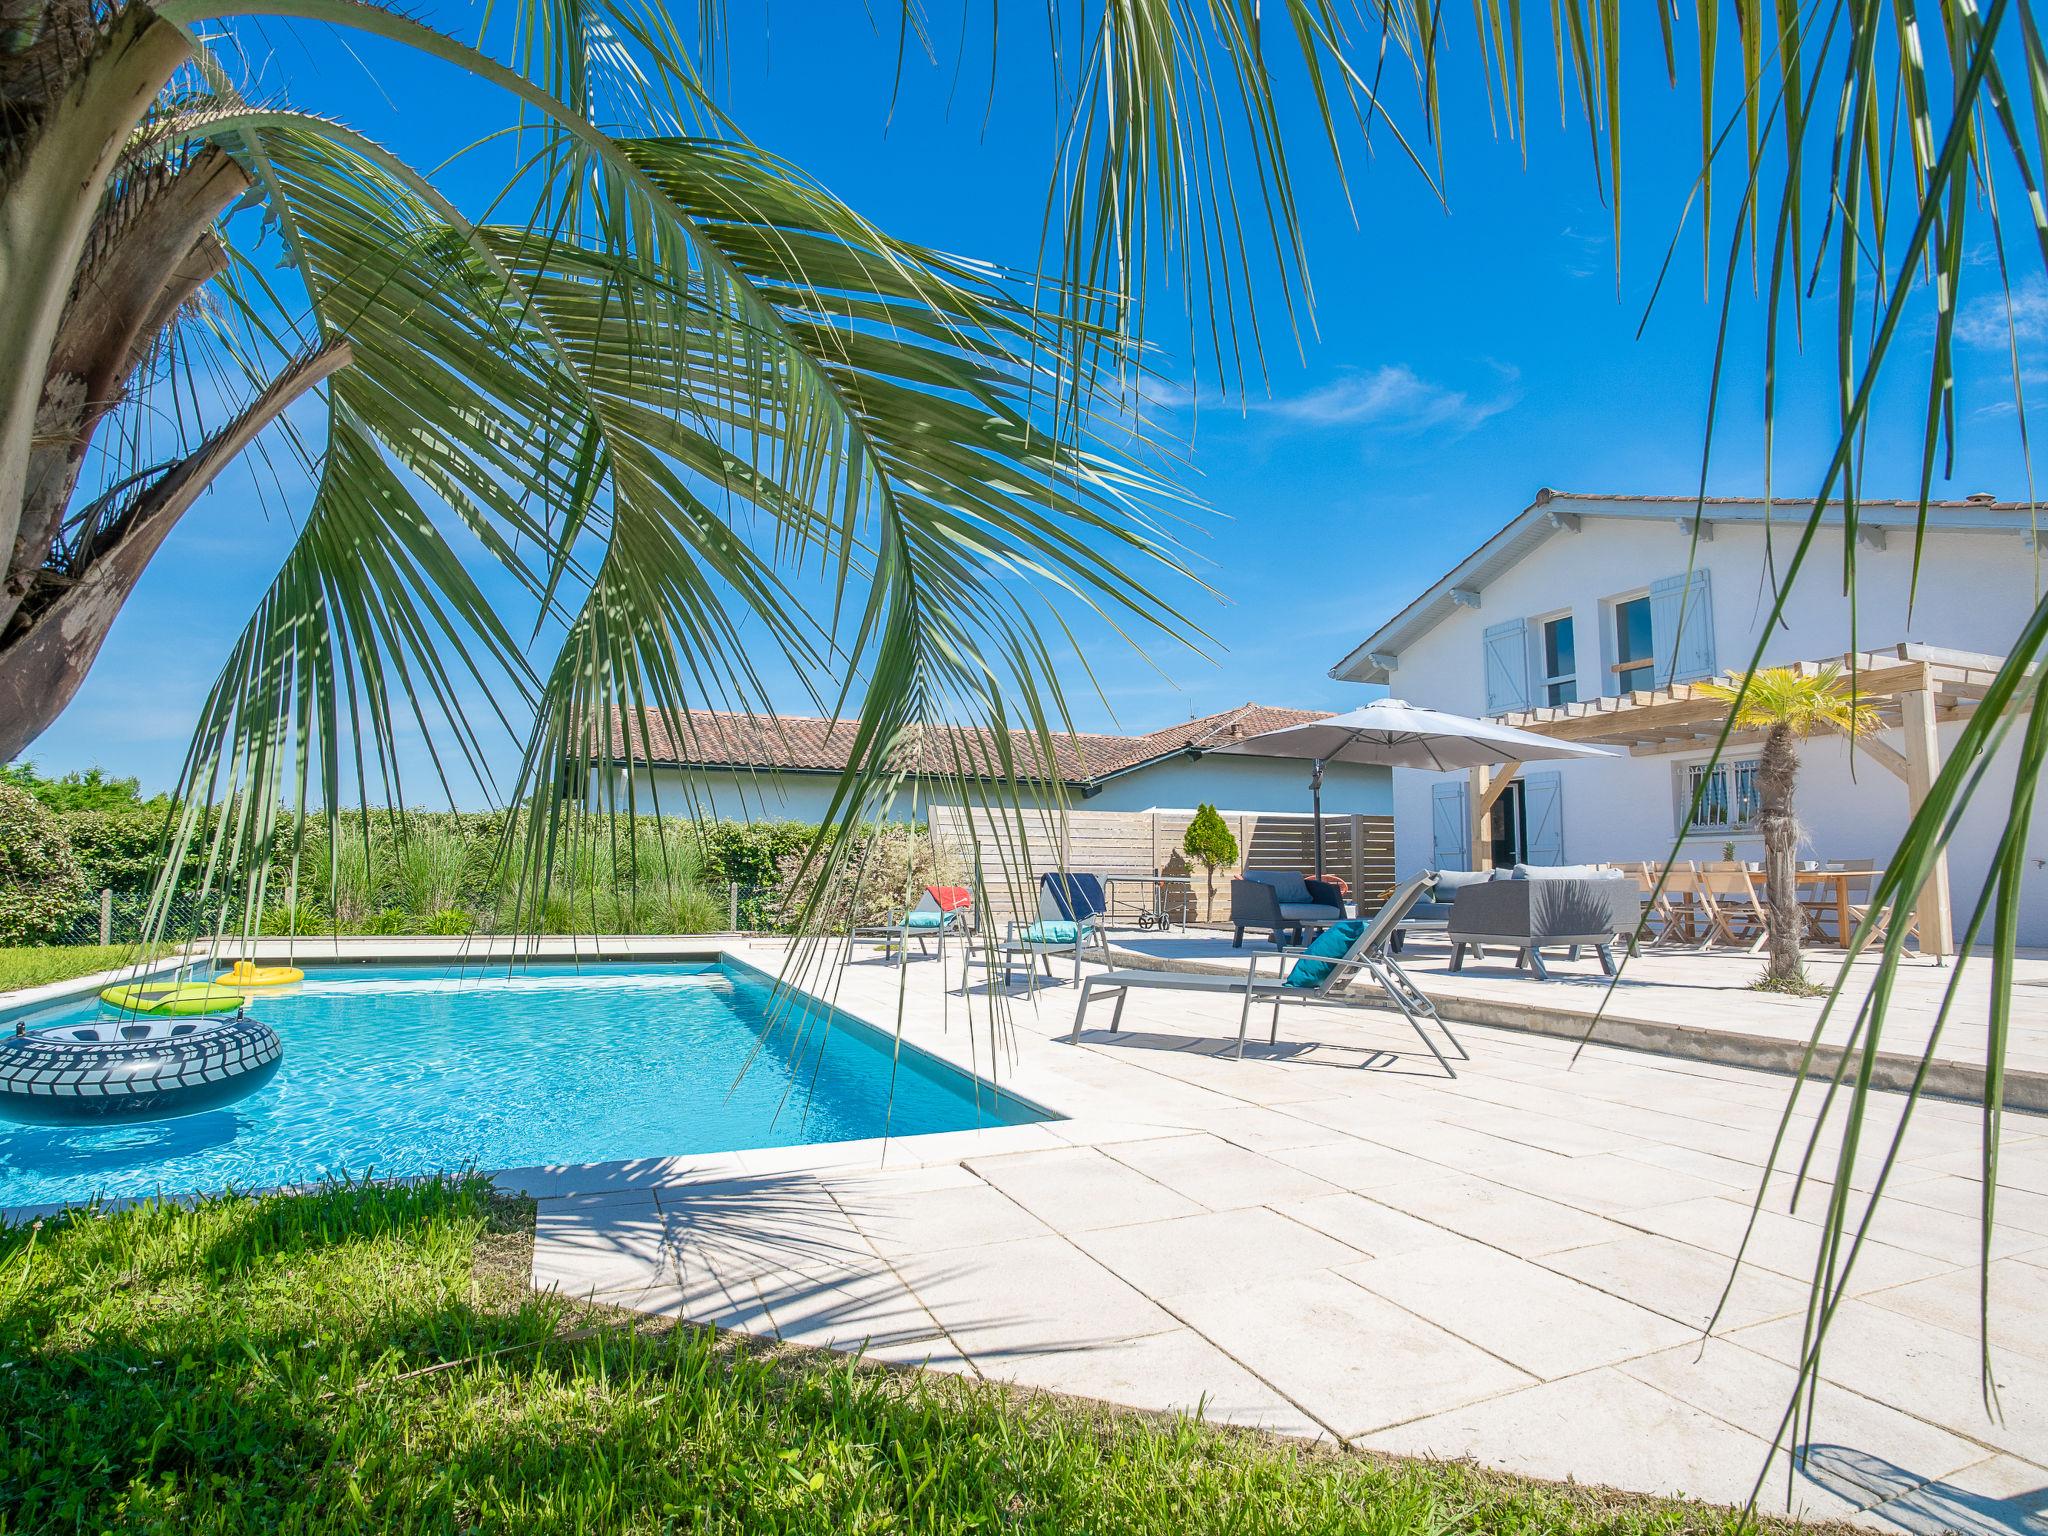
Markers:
point(1210, 843)
point(1787, 705)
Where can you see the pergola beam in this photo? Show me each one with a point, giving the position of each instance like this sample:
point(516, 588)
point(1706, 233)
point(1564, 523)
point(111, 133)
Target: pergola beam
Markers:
point(1912, 689)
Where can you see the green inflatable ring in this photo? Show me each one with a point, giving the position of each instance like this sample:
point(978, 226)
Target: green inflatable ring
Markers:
point(173, 997)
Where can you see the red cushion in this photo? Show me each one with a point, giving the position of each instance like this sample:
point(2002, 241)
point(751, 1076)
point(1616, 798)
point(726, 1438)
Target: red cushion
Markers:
point(951, 898)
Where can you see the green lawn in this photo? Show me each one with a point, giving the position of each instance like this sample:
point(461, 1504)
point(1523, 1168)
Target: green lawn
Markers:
point(368, 1359)
point(37, 965)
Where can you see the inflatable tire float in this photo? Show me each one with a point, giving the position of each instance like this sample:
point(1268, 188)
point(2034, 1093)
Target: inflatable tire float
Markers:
point(173, 999)
point(133, 1069)
point(247, 973)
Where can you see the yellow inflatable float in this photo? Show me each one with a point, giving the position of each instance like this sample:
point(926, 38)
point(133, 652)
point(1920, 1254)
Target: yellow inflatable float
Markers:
point(247, 973)
point(181, 998)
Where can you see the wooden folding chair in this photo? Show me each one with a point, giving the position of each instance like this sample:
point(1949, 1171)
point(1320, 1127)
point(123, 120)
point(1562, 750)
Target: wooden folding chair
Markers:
point(1662, 923)
point(1861, 905)
point(1738, 910)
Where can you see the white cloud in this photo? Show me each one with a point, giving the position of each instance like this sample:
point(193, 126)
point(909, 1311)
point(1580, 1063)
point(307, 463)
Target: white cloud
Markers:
point(1986, 322)
point(1393, 397)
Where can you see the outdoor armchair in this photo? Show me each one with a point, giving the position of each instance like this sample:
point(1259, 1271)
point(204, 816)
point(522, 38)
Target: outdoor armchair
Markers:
point(1282, 901)
point(1353, 950)
point(1534, 908)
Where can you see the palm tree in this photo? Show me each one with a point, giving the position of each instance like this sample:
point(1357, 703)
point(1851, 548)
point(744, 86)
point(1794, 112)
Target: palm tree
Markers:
point(1788, 705)
point(681, 380)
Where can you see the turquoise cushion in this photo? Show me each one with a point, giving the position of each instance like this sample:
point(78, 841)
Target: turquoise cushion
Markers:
point(925, 920)
point(1052, 933)
point(1333, 941)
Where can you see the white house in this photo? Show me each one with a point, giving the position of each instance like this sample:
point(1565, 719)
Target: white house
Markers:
point(739, 768)
point(1583, 599)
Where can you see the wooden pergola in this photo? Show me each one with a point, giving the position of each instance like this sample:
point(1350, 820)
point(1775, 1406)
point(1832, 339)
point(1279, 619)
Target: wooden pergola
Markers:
point(1912, 688)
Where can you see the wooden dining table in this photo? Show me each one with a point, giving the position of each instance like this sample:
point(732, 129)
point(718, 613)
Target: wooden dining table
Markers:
point(1836, 883)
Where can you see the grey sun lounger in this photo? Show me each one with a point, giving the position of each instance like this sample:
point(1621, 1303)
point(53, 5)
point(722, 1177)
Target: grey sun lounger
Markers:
point(1368, 955)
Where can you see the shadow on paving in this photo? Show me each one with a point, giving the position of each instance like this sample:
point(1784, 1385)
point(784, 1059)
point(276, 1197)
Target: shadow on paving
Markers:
point(1923, 1505)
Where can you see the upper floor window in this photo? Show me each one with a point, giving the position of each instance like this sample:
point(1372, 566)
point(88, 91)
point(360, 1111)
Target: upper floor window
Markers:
point(1559, 658)
point(1635, 649)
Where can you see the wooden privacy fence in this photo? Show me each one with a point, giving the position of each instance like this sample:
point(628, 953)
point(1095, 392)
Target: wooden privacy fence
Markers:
point(1006, 852)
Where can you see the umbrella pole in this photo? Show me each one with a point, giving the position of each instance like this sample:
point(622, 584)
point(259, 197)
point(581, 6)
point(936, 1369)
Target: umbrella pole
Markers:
point(1315, 789)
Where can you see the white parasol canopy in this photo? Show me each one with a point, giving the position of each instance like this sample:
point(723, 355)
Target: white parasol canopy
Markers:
point(1399, 735)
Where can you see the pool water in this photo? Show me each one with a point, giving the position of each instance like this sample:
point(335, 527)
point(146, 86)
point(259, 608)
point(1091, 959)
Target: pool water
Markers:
point(396, 1071)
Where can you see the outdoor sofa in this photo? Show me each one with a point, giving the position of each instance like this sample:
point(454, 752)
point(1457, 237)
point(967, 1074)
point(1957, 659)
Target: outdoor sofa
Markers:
point(1533, 907)
point(1283, 901)
point(1349, 951)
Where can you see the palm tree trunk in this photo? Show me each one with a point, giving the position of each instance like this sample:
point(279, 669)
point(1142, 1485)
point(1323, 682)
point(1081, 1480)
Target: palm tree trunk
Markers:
point(48, 646)
point(1776, 775)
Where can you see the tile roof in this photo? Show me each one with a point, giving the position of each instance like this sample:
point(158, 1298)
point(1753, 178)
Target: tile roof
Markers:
point(718, 739)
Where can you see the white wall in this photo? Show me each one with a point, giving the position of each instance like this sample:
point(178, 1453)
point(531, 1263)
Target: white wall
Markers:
point(1974, 593)
point(1177, 783)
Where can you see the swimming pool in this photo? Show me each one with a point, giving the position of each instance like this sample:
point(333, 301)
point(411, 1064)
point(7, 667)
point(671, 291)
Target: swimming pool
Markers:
point(401, 1070)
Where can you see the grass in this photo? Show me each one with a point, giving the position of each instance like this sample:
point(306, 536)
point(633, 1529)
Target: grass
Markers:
point(38, 965)
point(369, 1359)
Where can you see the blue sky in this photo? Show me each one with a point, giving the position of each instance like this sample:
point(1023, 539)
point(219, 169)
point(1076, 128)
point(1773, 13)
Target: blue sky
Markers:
point(1465, 354)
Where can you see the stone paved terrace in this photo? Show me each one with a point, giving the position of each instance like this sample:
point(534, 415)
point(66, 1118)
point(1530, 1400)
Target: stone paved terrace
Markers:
point(1330, 1239)
point(1701, 1002)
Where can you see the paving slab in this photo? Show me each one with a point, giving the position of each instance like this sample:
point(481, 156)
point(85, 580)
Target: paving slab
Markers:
point(1213, 1173)
point(2000, 1496)
point(1494, 1213)
point(1079, 1189)
point(1373, 1229)
point(1781, 1243)
point(1605, 1427)
point(584, 1247)
point(1351, 1360)
point(1752, 1391)
point(1687, 1284)
point(1358, 1166)
point(1177, 1371)
point(1214, 1248)
point(1925, 1370)
point(2019, 1305)
point(1037, 1296)
point(1537, 1320)
point(936, 1220)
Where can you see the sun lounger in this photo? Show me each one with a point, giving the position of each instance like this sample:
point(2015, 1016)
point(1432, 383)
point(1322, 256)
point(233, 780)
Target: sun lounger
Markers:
point(943, 909)
point(1322, 973)
point(1072, 911)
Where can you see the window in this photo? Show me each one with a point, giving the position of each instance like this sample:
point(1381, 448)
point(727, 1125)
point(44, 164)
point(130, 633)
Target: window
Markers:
point(1729, 802)
point(1560, 680)
point(1635, 653)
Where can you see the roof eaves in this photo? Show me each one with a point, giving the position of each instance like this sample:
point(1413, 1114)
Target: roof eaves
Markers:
point(1527, 530)
point(1534, 524)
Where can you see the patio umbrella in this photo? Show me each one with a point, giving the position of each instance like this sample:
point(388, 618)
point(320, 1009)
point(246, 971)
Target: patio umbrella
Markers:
point(1394, 734)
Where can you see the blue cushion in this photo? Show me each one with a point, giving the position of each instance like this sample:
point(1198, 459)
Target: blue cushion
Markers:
point(1052, 933)
point(1334, 941)
point(1288, 884)
point(925, 920)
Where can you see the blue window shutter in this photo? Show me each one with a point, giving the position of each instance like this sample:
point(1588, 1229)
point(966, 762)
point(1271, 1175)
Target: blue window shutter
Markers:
point(1684, 639)
point(1450, 829)
point(1507, 667)
point(1543, 817)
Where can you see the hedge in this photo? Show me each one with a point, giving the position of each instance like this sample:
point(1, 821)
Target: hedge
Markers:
point(422, 872)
